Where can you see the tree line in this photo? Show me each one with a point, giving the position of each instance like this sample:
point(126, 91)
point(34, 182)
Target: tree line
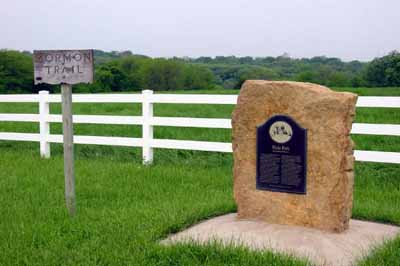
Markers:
point(124, 71)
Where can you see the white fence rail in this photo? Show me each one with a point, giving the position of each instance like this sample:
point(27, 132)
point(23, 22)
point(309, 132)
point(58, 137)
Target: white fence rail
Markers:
point(148, 121)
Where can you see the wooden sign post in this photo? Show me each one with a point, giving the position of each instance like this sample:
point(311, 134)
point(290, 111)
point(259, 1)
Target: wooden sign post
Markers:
point(68, 139)
point(65, 67)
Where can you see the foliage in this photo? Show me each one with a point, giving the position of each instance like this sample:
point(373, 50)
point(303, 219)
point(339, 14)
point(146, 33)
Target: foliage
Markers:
point(162, 74)
point(16, 73)
point(135, 73)
point(325, 76)
point(232, 77)
point(384, 71)
point(322, 70)
point(125, 71)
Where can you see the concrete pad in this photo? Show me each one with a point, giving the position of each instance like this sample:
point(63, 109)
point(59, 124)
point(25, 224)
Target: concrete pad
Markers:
point(321, 248)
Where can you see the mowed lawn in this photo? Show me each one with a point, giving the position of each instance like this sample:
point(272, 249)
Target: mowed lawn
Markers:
point(125, 208)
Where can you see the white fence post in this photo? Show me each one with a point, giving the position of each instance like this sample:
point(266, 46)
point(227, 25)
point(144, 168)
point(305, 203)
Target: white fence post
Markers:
point(44, 126)
point(147, 128)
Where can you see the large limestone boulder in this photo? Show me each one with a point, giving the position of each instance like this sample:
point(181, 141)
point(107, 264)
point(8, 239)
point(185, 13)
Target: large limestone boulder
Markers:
point(327, 116)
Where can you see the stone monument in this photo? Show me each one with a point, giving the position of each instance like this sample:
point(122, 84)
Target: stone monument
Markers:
point(293, 156)
point(293, 177)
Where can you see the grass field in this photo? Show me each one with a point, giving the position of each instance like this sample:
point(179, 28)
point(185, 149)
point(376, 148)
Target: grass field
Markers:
point(124, 208)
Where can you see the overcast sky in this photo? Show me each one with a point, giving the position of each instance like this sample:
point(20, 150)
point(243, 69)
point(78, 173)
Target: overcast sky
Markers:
point(348, 29)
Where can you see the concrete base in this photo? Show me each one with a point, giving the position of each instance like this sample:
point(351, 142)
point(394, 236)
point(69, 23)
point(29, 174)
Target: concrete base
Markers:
point(319, 247)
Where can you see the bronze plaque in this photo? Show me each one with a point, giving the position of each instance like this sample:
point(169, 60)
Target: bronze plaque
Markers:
point(282, 156)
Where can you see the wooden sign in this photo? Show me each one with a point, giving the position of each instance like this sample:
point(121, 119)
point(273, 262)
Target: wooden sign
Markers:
point(63, 66)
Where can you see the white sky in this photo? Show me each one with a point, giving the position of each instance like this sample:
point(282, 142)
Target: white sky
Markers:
point(348, 29)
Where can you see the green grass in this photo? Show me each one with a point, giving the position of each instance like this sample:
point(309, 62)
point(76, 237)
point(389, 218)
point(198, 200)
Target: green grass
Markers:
point(124, 208)
point(387, 254)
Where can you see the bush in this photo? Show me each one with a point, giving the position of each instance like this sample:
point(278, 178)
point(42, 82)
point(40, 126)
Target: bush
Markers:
point(16, 72)
point(384, 71)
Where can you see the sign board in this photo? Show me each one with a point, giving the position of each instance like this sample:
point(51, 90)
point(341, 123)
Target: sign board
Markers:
point(63, 66)
point(281, 156)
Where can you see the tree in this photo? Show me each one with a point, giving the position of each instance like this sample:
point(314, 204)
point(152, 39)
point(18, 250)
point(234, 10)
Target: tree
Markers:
point(307, 76)
point(384, 71)
point(255, 73)
point(16, 72)
point(116, 71)
point(111, 78)
point(133, 67)
point(162, 74)
point(197, 77)
point(338, 79)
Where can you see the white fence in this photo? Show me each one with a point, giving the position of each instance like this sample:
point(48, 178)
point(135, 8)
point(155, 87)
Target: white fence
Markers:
point(148, 121)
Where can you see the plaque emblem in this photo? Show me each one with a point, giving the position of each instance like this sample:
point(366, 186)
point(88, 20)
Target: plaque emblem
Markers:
point(280, 132)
